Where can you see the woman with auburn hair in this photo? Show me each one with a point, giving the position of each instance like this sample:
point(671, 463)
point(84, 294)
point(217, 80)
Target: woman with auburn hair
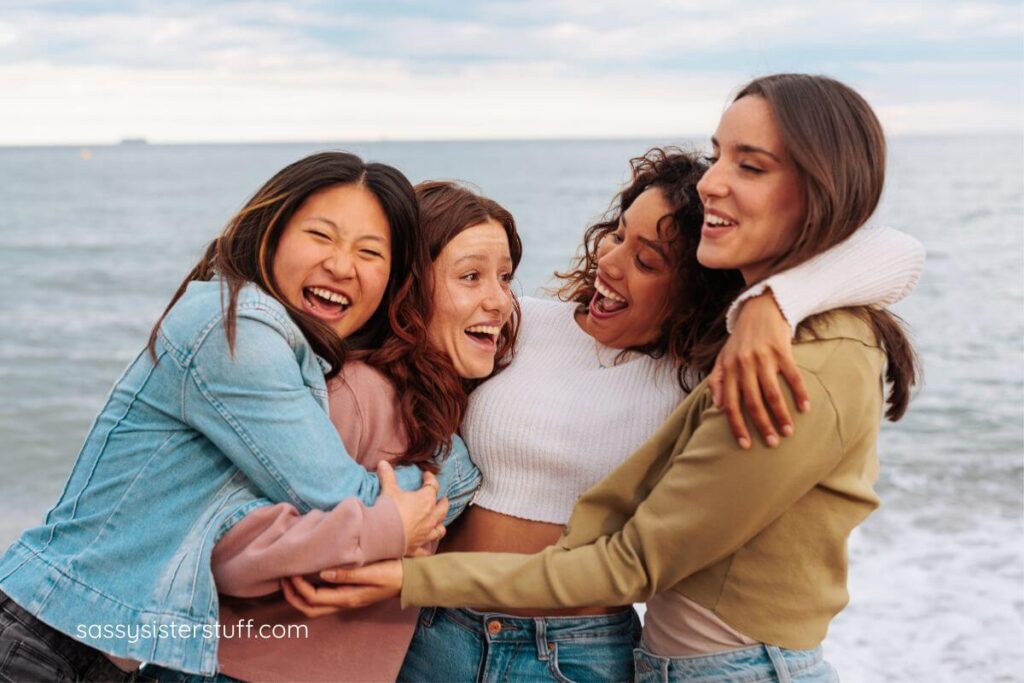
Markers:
point(227, 405)
point(465, 308)
point(739, 555)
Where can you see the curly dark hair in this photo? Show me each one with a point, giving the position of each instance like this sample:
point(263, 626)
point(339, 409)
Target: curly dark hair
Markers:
point(700, 296)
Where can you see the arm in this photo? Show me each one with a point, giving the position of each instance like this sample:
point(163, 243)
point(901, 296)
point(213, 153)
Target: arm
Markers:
point(876, 266)
point(275, 541)
point(256, 408)
point(459, 479)
point(710, 502)
point(873, 266)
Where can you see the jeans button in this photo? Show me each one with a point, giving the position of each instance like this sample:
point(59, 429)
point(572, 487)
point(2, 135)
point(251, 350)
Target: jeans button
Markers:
point(494, 627)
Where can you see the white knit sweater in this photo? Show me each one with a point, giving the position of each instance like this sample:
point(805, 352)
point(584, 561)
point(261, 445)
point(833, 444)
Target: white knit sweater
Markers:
point(563, 415)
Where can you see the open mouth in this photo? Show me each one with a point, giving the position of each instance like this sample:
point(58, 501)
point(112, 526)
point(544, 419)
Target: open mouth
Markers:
point(716, 225)
point(606, 301)
point(325, 303)
point(485, 336)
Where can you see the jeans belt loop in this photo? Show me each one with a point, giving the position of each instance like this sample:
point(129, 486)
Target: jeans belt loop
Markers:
point(540, 633)
point(779, 663)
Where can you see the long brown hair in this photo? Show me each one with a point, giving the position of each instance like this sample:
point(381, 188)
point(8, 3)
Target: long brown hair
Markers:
point(432, 396)
point(244, 252)
point(838, 147)
point(698, 293)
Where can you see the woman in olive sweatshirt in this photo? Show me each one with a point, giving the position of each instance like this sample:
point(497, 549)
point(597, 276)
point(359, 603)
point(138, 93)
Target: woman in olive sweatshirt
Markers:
point(741, 556)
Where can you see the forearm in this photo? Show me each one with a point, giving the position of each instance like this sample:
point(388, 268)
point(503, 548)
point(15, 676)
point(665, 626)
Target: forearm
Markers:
point(874, 266)
point(276, 541)
point(709, 502)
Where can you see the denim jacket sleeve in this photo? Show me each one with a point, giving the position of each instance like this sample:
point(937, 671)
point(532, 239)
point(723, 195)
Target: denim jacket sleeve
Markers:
point(459, 479)
point(255, 406)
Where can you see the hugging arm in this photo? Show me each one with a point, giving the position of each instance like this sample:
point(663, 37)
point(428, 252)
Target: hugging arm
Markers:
point(255, 407)
point(275, 541)
point(709, 502)
point(874, 266)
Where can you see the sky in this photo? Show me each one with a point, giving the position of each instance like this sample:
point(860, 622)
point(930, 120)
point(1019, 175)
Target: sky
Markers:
point(78, 72)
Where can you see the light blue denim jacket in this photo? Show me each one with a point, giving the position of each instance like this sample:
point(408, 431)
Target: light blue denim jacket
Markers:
point(181, 451)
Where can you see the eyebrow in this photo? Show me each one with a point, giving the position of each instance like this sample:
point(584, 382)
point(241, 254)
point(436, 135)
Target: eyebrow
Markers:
point(749, 149)
point(334, 226)
point(656, 246)
point(479, 257)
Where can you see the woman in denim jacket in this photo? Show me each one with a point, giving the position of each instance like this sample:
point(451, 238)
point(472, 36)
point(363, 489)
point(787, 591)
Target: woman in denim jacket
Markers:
point(226, 408)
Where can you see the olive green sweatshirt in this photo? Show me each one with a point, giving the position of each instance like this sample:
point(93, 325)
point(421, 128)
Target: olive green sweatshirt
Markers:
point(757, 536)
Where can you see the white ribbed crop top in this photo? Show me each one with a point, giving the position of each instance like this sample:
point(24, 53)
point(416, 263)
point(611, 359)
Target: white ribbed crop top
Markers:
point(561, 416)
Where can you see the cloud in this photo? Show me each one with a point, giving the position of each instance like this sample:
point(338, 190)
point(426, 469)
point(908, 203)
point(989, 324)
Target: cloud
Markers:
point(183, 71)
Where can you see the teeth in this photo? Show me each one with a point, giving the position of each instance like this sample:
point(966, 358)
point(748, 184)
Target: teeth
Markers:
point(330, 296)
point(485, 329)
point(607, 293)
point(715, 220)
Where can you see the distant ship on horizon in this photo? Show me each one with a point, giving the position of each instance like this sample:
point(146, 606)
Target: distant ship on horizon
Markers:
point(133, 141)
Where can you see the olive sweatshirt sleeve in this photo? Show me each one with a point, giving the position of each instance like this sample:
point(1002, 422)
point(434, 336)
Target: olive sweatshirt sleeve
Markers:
point(710, 500)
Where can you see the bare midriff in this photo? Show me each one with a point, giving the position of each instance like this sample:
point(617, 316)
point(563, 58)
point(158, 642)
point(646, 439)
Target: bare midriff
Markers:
point(480, 530)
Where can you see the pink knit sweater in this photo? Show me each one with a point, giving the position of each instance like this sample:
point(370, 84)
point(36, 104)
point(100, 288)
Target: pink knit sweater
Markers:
point(276, 541)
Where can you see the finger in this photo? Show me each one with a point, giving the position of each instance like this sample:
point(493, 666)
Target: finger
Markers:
point(715, 384)
point(386, 476)
point(795, 379)
point(430, 480)
point(772, 392)
point(733, 410)
point(437, 533)
point(305, 589)
point(440, 511)
point(298, 602)
point(753, 403)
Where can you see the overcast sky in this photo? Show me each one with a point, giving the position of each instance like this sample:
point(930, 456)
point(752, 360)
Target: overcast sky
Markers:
point(171, 71)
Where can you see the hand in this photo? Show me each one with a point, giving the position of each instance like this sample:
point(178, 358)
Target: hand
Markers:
point(746, 372)
point(420, 510)
point(364, 586)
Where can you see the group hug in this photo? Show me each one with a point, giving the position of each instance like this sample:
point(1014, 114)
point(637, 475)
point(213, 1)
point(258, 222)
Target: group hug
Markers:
point(346, 419)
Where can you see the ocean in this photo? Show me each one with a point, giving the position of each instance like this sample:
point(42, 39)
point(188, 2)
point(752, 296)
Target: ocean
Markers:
point(92, 245)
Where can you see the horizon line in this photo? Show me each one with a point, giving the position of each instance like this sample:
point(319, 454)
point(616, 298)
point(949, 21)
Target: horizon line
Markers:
point(142, 141)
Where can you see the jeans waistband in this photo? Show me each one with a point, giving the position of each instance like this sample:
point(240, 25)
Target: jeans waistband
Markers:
point(497, 626)
point(742, 664)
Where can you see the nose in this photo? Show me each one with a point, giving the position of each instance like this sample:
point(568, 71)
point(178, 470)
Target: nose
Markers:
point(497, 299)
point(712, 183)
point(609, 259)
point(340, 264)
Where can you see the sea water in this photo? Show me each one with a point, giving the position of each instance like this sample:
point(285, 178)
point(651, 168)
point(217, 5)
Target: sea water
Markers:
point(92, 245)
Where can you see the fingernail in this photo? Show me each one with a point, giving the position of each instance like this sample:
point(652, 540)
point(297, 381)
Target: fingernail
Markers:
point(328, 575)
point(744, 443)
point(787, 430)
point(805, 406)
point(773, 441)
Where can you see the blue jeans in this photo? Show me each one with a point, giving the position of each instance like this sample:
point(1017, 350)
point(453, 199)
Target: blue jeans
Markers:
point(465, 645)
point(757, 664)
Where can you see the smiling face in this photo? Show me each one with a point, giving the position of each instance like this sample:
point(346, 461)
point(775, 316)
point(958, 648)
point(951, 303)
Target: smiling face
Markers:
point(334, 257)
point(634, 277)
point(753, 195)
point(472, 300)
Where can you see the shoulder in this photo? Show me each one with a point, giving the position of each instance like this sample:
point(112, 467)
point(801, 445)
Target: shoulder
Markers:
point(838, 351)
point(842, 331)
point(203, 307)
point(364, 382)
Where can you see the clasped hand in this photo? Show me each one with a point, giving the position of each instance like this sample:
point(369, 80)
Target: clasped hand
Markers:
point(421, 514)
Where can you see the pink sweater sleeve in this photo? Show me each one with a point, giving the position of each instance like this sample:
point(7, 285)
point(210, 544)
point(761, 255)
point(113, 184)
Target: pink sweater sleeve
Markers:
point(275, 541)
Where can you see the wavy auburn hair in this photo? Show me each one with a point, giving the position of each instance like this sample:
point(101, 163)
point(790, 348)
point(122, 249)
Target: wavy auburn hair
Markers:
point(244, 252)
point(432, 396)
point(838, 147)
point(698, 294)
